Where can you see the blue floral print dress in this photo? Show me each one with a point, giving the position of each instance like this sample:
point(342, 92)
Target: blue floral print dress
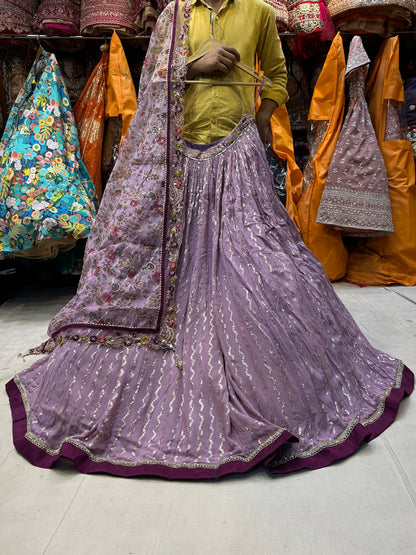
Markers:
point(47, 199)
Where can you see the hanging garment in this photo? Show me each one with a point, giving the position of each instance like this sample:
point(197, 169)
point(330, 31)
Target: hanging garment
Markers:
point(58, 17)
point(16, 16)
point(15, 65)
point(47, 198)
point(298, 88)
point(204, 338)
point(103, 17)
point(410, 111)
point(120, 92)
point(391, 259)
point(89, 113)
point(356, 198)
point(326, 113)
point(76, 70)
point(120, 105)
point(282, 141)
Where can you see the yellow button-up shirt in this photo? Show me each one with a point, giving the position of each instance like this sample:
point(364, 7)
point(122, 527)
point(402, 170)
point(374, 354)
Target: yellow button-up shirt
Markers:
point(212, 111)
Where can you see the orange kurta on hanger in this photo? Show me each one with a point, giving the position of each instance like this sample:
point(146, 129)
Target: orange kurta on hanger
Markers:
point(326, 110)
point(120, 92)
point(390, 259)
point(89, 112)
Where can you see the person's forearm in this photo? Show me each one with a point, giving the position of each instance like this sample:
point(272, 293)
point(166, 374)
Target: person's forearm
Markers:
point(264, 113)
point(192, 70)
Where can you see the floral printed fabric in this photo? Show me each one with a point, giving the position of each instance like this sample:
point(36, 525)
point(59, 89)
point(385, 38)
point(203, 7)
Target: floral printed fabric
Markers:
point(47, 199)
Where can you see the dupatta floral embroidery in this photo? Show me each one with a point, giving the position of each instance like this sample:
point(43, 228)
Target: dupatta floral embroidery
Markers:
point(127, 286)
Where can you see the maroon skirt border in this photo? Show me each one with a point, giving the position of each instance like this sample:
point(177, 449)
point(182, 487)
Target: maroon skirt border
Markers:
point(359, 435)
point(38, 457)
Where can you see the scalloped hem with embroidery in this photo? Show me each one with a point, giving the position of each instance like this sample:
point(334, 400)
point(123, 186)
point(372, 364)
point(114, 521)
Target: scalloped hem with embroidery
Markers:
point(359, 435)
point(267, 457)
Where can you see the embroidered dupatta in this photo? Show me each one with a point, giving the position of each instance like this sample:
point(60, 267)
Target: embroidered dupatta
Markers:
point(127, 286)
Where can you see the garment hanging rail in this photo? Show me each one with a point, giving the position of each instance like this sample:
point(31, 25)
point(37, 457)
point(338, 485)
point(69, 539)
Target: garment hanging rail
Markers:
point(70, 37)
point(146, 37)
point(96, 37)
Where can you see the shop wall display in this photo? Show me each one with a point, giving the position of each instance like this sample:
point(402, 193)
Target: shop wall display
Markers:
point(74, 31)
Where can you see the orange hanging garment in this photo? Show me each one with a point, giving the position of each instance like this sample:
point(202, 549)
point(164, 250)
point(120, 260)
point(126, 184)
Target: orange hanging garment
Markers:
point(392, 258)
point(89, 112)
point(326, 110)
point(120, 93)
point(282, 142)
point(283, 147)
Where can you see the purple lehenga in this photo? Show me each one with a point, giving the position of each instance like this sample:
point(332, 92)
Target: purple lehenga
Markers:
point(206, 340)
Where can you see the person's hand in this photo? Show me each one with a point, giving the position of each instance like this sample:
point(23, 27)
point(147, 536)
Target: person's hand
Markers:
point(221, 58)
point(263, 116)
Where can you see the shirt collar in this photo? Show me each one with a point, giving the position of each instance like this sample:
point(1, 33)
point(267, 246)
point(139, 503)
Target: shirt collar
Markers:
point(202, 2)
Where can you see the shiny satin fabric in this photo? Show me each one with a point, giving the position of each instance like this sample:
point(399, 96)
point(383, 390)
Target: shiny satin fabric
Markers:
point(283, 146)
point(121, 95)
point(391, 259)
point(89, 113)
point(327, 110)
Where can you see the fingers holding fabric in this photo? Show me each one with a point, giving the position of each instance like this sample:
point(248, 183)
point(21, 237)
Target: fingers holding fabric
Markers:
point(220, 59)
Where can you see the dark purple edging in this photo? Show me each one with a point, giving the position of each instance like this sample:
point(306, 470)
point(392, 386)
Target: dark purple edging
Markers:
point(38, 457)
point(359, 435)
point(78, 325)
point(168, 163)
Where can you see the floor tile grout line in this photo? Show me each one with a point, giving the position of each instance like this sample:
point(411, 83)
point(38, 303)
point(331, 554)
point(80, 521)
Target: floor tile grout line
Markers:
point(401, 295)
point(63, 516)
point(401, 471)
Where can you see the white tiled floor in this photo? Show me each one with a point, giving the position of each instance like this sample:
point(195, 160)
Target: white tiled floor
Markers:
point(364, 505)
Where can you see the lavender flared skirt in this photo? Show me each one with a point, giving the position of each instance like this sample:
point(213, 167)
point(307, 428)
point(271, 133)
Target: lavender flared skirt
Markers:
point(274, 371)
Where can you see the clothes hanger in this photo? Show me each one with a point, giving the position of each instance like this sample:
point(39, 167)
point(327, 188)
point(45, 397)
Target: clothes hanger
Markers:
point(209, 45)
point(39, 51)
